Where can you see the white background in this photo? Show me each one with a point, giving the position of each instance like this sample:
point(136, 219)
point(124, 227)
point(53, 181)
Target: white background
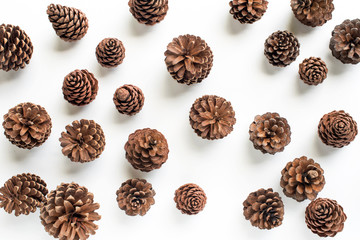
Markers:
point(228, 169)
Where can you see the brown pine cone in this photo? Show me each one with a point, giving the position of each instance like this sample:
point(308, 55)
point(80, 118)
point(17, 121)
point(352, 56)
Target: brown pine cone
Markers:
point(110, 52)
point(248, 11)
point(312, 12)
point(190, 199)
point(325, 217)
point(313, 71)
point(23, 194)
point(345, 43)
point(302, 179)
point(148, 12)
point(80, 87)
point(281, 48)
point(188, 59)
point(146, 149)
point(135, 196)
point(270, 133)
point(264, 209)
point(15, 48)
point(212, 117)
point(69, 212)
point(27, 125)
point(83, 141)
point(129, 99)
point(69, 23)
point(337, 129)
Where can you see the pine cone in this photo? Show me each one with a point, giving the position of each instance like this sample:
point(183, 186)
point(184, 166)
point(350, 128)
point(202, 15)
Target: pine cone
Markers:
point(70, 24)
point(80, 87)
point(313, 71)
point(15, 48)
point(135, 196)
point(27, 125)
point(212, 117)
point(312, 12)
point(146, 149)
point(148, 12)
point(69, 212)
point(190, 199)
point(325, 217)
point(264, 209)
point(270, 133)
point(345, 41)
point(281, 48)
point(83, 141)
point(302, 179)
point(337, 129)
point(23, 194)
point(188, 59)
point(248, 11)
point(110, 52)
point(129, 99)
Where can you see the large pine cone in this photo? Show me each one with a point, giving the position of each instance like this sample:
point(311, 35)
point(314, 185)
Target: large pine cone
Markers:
point(69, 23)
point(129, 99)
point(281, 48)
point(212, 117)
point(270, 133)
point(146, 149)
point(80, 87)
point(83, 141)
point(325, 217)
point(149, 12)
point(135, 196)
point(15, 48)
point(110, 52)
point(188, 59)
point(313, 12)
point(337, 129)
point(264, 209)
point(313, 71)
point(23, 194)
point(302, 179)
point(248, 11)
point(27, 125)
point(69, 212)
point(190, 199)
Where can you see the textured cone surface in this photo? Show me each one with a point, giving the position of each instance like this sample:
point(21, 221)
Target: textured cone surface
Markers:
point(264, 209)
point(83, 141)
point(149, 12)
point(135, 197)
point(313, 71)
point(15, 48)
point(70, 24)
point(248, 11)
point(110, 52)
point(188, 59)
point(69, 212)
point(23, 194)
point(128, 99)
point(302, 179)
point(312, 12)
point(80, 87)
point(270, 133)
point(281, 48)
point(27, 125)
point(212, 117)
point(146, 149)
point(325, 217)
point(337, 129)
point(190, 199)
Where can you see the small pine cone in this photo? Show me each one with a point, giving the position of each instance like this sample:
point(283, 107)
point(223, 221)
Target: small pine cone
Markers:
point(313, 71)
point(149, 12)
point(23, 194)
point(27, 125)
point(248, 11)
point(83, 141)
point(270, 133)
point(190, 199)
point(281, 48)
point(69, 23)
point(80, 87)
point(15, 48)
point(212, 117)
point(110, 52)
point(188, 59)
point(302, 179)
point(135, 197)
point(325, 217)
point(313, 12)
point(264, 209)
point(69, 212)
point(129, 99)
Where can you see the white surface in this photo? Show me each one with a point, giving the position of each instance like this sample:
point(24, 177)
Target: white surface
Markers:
point(229, 169)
